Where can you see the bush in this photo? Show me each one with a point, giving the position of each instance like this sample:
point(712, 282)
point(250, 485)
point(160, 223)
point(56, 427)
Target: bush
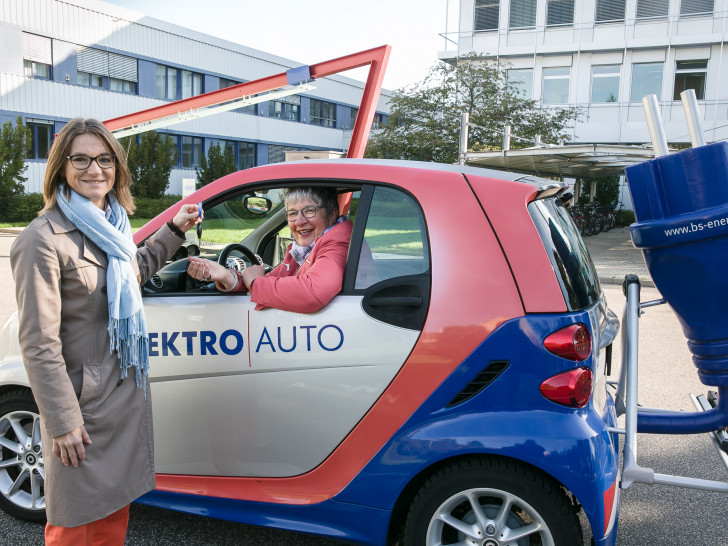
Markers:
point(148, 207)
point(24, 207)
point(625, 218)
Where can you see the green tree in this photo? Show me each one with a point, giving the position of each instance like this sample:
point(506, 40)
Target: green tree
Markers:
point(14, 147)
point(218, 163)
point(151, 160)
point(425, 118)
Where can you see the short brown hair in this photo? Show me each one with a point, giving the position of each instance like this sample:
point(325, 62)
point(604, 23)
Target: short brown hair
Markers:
point(61, 147)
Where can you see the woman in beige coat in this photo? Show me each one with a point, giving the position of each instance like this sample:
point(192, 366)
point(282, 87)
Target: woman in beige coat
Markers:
point(83, 331)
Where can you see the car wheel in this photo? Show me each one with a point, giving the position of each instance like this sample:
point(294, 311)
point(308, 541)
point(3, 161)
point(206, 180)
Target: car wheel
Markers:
point(491, 503)
point(22, 475)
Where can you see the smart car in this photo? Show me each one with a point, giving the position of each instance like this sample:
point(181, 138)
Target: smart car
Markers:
point(455, 390)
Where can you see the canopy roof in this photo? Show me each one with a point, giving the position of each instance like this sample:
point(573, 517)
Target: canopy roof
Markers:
point(573, 160)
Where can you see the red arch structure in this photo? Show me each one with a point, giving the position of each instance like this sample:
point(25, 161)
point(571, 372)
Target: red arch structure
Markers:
point(376, 58)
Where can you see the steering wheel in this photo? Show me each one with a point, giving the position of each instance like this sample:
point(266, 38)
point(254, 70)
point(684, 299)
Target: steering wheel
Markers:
point(253, 259)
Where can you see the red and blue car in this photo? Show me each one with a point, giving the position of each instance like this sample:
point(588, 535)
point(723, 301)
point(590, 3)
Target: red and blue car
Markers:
point(454, 391)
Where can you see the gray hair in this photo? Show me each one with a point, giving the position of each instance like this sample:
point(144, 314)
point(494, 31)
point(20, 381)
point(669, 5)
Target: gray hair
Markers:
point(328, 198)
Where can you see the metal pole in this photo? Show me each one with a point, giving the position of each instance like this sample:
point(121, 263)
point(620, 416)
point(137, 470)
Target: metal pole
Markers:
point(463, 146)
point(506, 138)
point(692, 116)
point(654, 124)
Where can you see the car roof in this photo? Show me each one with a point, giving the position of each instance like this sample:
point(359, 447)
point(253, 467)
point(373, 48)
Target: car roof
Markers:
point(428, 165)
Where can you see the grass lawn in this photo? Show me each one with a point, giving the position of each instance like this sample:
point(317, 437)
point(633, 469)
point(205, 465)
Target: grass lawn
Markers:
point(387, 235)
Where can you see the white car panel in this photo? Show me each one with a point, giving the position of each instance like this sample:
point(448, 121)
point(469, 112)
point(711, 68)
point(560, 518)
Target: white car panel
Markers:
point(317, 372)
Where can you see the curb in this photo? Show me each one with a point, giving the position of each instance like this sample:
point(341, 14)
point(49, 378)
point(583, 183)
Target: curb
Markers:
point(13, 230)
point(646, 282)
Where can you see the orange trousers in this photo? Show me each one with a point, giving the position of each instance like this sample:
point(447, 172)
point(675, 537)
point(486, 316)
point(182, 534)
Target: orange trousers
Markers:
point(108, 531)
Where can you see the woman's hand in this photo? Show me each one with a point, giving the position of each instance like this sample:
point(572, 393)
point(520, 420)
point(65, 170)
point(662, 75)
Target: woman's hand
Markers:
point(69, 446)
point(187, 217)
point(206, 270)
point(251, 273)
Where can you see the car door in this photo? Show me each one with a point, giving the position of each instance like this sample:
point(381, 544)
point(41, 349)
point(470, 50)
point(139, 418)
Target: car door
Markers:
point(239, 392)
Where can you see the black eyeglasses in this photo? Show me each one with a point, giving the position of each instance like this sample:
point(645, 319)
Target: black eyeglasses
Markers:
point(308, 212)
point(83, 162)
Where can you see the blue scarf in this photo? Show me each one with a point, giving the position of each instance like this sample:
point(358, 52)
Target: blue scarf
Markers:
point(127, 322)
point(299, 253)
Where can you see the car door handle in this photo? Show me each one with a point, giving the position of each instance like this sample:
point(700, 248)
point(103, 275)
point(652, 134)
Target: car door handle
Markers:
point(401, 301)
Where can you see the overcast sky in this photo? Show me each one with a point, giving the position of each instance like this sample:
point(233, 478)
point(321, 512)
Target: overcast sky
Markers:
point(311, 31)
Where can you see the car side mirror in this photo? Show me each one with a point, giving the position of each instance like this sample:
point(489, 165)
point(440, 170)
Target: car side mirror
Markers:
point(257, 205)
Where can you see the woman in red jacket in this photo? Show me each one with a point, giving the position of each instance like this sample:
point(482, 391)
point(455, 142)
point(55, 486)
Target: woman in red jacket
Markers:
point(313, 270)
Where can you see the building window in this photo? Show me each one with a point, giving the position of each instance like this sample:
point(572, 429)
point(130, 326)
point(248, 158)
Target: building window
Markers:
point(123, 86)
point(605, 83)
point(243, 152)
point(352, 119)
point(696, 7)
point(277, 154)
point(609, 11)
point(173, 84)
point(560, 12)
point(37, 56)
point(89, 80)
point(690, 75)
point(556, 85)
point(520, 80)
point(250, 109)
point(191, 151)
point(41, 138)
point(378, 121)
point(33, 69)
point(486, 14)
point(646, 80)
point(98, 68)
point(191, 84)
point(523, 14)
point(246, 155)
point(651, 9)
point(323, 113)
point(166, 82)
point(288, 108)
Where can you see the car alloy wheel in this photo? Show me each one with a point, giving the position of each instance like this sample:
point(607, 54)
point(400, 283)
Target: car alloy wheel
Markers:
point(22, 474)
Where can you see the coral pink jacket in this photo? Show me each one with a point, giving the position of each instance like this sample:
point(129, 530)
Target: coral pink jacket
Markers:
point(311, 286)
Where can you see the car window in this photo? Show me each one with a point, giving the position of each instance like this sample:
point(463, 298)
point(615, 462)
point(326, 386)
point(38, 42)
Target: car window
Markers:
point(229, 221)
point(567, 252)
point(395, 240)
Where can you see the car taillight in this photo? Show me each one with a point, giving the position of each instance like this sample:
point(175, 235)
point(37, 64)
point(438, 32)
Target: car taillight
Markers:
point(571, 389)
point(573, 342)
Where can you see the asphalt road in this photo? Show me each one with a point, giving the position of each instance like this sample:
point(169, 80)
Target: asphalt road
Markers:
point(649, 514)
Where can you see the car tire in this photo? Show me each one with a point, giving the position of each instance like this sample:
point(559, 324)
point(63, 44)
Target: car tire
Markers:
point(444, 510)
point(22, 476)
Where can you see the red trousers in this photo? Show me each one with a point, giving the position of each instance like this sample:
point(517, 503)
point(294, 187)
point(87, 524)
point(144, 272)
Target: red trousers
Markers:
point(109, 531)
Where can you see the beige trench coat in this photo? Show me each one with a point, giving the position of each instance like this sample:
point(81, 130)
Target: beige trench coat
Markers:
point(60, 279)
